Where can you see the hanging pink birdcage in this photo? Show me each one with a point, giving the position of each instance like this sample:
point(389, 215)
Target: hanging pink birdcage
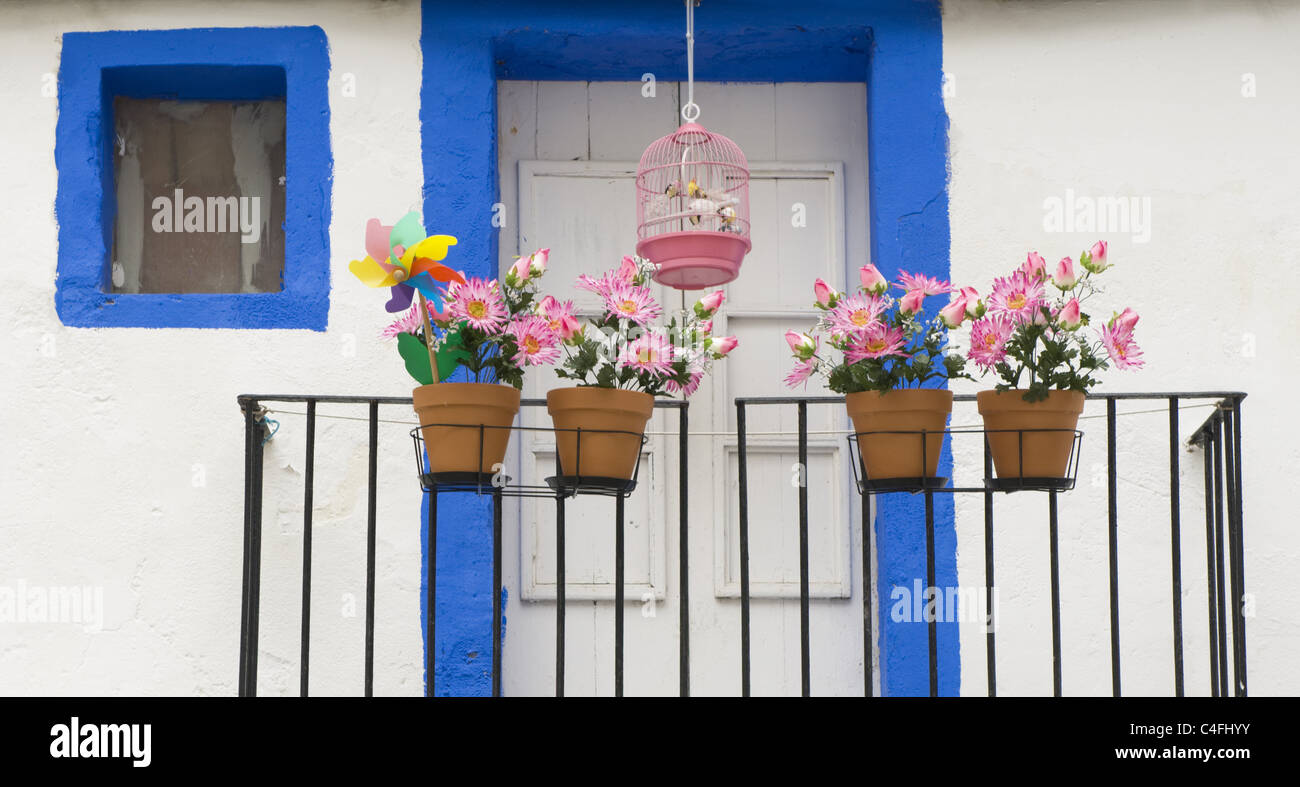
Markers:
point(692, 208)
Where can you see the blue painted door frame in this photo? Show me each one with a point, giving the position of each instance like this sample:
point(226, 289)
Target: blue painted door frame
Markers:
point(894, 46)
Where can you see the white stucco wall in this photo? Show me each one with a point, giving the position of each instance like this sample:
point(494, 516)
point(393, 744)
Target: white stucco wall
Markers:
point(1141, 99)
point(123, 452)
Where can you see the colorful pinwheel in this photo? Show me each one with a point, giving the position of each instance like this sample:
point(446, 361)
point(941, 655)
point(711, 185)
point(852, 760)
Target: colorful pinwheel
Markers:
point(411, 262)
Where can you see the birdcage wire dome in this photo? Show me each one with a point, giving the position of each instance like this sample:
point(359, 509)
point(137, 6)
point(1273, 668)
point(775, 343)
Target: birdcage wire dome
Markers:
point(693, 208)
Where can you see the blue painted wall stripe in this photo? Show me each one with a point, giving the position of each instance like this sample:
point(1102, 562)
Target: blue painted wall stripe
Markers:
point(895, 46)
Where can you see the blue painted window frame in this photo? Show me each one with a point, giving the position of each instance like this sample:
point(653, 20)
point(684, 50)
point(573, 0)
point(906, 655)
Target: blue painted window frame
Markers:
point(201, 63)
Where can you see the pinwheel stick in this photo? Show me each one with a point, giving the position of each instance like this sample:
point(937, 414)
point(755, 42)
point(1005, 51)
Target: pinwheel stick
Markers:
point(428, 337)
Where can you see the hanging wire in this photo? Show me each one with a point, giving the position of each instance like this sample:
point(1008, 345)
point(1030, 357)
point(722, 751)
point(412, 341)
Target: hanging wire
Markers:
point(690, 110)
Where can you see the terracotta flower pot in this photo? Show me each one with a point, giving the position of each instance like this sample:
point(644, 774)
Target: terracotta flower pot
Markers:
point(456, 449)
point(1030, 454)
point(915, 410)
point(610, 453)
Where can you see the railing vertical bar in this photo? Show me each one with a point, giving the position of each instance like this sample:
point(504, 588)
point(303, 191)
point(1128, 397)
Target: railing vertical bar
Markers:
point(559, 589)
point(1113, 535)
point(1054, 537)
point(255, 570)
point(990, 646)
point(1175, 544)
point(1220, 592)
point(618, 597)
point(1234, 595)
point(742, 479)
point(1211, 601)
point(683, 550)
point(868, 688)
point(1238, 547)
point(931, 593)
point(496, 591)
point(247, 595)
point(805, 671)
point(308, 484)
point(371, 510)
point(431, 596)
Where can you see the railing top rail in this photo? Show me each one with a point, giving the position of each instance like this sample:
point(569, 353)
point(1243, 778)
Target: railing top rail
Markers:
point(1118, 396)
point(246, 399)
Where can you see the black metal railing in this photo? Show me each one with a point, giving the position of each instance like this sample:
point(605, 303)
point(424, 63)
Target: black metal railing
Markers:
point(561, 487)
point(1219, 437)
point(1220, 434)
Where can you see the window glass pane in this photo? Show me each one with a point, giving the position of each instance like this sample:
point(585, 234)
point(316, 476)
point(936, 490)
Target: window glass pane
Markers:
point(200, 196)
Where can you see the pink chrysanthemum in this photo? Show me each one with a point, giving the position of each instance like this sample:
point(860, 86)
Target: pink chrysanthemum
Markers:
point(802, 371)
point(559, 316)
point(478, 302)
point(631, 302)
point(601, 286)
point(411, 321)
point(685, 390)
point(1121, 348)
point(988, 340)
point(878, 341)
point(927, 285)
point(1018, 296)
point(538, 344)
point(651, 352)
point(855, 314)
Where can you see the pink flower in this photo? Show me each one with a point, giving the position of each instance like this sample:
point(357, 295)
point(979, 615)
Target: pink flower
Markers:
point(478, 302)
point(722, 345)
point(1095, 260)
point(974, 306)
point(632, 302)
point(802, 371)
point(877, 341)
point(924, 284)
point(1065, 278)
point(1071, 317)
point(1126, 319)
point(685, 390)
point(1121, 348)
point(954, 313)
point(709, 304)
point(801, 344)
point(872, 280)
point(856, 314)
point(411, 321)
point(825, 294)
point(537, 343)
point(1035, 266)
point(651, 353)
point(704, 327)
point(601, 286)
point(520, 271)
point(1019, 296)
point(537, 262)
point(911, 302)
point(988, 340)
point(559, 317)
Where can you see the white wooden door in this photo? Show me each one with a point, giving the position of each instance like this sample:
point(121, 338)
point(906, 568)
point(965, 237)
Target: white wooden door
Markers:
point(568, 153)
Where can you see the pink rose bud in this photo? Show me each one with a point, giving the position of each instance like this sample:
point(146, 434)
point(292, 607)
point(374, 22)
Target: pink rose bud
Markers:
point(1098, 252)
point(825, 294)
point(538, 261)
point(911, 302)
point(712, 302)
point(627, 269)
point(569, 327)
point(705, 327)
point(1126, 319)
point(1070, 317)
point(974, 308)
point(872, 280)
point(954, 313)
point(545, 305)
point(801, 344)
point(1065, 278)
point(723, 345)
point(521, 268)
point(1035, 265)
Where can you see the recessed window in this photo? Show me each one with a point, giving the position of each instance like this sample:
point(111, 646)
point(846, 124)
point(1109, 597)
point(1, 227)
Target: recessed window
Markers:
point(194, 178)
point(200, 196)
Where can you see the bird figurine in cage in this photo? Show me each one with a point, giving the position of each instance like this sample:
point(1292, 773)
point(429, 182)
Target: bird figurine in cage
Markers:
point(693, 208)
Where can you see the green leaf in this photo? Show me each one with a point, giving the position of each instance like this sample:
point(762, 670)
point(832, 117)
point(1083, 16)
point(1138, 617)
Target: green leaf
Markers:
point(416, 357)
point(450, 355)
